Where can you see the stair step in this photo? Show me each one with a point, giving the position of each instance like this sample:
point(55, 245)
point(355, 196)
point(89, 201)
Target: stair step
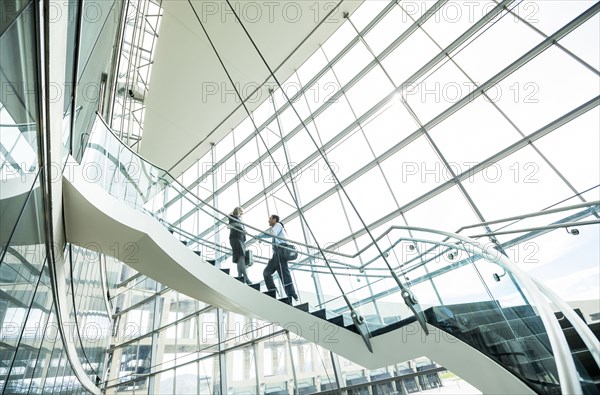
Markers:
point(303, 307)
point(520, 327)
point(588, 363)
point(532, 346)
point(464, 308)
point(256, 286)
point(393, 326)
point(322, 313)
point(240, 279)
point(573, 339)
point(546, 369)
point(338, 320)
point(211, 261)
point(184, 242)
point(564, 322)
point(286, 300)
point(199, 253)
point(524, 318)
point(520, 311)
point(595, 327)
point(226, 271)
point(352, 328)
point(516, 338)
point(271, 293)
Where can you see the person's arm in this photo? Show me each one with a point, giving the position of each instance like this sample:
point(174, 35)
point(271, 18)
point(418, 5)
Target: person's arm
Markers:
point(266, 234)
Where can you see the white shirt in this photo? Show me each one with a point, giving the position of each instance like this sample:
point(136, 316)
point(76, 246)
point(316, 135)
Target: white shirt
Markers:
point(274, 231)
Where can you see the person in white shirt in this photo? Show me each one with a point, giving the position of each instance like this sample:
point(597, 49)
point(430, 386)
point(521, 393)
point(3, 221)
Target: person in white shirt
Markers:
point(277, 263)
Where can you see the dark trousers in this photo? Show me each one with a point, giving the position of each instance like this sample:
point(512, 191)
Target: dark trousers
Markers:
point(279, 265)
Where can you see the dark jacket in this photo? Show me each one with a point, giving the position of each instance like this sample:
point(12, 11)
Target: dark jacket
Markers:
point(236, 229)
point(237, 238)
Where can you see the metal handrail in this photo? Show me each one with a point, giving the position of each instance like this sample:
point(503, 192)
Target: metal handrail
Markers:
point(530, 215)
point(584, 331)
point(358, 320)
point(565, 364)
point(309, 246)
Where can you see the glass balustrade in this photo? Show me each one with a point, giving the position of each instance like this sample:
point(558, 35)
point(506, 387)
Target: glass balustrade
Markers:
point(455, 286)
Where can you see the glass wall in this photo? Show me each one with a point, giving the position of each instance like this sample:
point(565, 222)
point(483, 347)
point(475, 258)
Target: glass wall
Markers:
point(431, 114)
point(33, 356)
point(435, 114)
point(421, 115)
point(99, 27)
point(18, 118)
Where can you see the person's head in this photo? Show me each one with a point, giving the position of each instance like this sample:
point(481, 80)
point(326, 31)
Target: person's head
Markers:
point(237, 212)
point(273, 219)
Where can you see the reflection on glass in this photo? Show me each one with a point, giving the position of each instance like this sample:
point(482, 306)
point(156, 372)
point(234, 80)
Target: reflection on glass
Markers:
point(432, 176)
point(18, 102)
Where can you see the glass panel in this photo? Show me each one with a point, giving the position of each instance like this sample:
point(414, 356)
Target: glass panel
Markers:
point(352, 62)
point(453, 18)
point(275, 366)
point(387, 30)
point(498, 190)
point(187, 379)
point(416, 170)
point(431, 95)
point(584, 42)
point(312, 66)
point(98, 30)
point(338, 40)
point(481, 59)
point(534, 96)
point(411, 55)
point(449, 211)
point(18, 117)
point(465, 137)
point(583, 172)
point(367, 11)
point(241, 377)
point(551, 16)
point(322, 91)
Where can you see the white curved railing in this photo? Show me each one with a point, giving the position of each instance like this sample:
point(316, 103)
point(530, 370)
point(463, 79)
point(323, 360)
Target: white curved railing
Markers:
point(584, 331)
point(568, 376)
point(158, 179)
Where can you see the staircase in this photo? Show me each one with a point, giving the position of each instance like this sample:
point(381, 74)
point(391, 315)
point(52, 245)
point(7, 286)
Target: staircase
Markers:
point(341, 320)
point(515, 338)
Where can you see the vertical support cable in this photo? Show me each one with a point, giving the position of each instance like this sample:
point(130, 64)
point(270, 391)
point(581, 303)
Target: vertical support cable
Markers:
point(314, 273)
point(407, 295)
point(117, 63)
point(287, 340)
point(464, 192)
point(216, 204)
point(356, 318)
point(222, 358)
point(75, 75)
point(294, 188)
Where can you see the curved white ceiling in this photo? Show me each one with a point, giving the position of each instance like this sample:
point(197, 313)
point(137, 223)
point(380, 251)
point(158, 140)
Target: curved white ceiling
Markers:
point(191, 102)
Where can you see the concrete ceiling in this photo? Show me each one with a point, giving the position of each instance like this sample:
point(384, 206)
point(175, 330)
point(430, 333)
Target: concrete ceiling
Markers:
point(190, 102)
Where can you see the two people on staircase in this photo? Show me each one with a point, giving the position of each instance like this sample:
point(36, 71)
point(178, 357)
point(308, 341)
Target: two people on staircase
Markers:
point(237, 240)
point(278, 263)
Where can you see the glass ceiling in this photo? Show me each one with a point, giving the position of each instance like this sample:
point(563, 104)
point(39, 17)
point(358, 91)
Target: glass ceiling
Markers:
point(431, 114)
